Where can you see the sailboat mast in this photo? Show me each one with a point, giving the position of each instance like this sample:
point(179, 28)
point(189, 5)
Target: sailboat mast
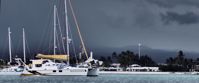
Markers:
point(24, 47)
point(10, 50)
point(54, 51)
point(78, 30)
point(67, 32)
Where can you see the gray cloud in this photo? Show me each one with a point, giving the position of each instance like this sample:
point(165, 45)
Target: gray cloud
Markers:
point(0, 6)
point(173, 3)
point(153, 53)
point(187, 18)
point(106, 23)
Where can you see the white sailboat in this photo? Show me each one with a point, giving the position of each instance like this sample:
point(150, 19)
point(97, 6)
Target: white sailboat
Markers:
point(12, 69)
point(47, 66)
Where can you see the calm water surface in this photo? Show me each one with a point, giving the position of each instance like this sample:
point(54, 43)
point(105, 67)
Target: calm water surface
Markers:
point(103, 79)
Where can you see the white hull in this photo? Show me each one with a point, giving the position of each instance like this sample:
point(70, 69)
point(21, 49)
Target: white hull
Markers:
point(11, 70)
point(69, 72)
point(10, 73)
point(65, 71)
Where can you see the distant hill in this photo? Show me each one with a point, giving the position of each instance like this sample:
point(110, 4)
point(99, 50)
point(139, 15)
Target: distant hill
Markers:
point(157, 55)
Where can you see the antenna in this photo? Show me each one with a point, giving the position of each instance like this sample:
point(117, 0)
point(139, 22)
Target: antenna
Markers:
point(139, 53)
point(24, 46)
point(10, 50)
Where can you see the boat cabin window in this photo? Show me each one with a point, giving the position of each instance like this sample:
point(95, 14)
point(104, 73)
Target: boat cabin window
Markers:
point(60, 70)
point(44, 62)
point(54, 70)
point(38, 65)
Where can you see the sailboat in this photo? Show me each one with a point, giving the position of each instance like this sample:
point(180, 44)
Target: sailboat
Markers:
point(12, 69)
point(47, 66)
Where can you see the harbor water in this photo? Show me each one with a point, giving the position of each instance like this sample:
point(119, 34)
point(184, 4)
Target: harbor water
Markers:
point(103, 79)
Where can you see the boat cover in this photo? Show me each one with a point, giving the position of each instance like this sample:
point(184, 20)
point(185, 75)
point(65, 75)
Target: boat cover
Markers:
point(54, 57)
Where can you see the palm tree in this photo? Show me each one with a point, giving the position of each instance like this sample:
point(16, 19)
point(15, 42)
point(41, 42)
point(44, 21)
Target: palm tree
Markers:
point(114, 55)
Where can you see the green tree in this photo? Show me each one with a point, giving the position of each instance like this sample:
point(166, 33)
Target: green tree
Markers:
point(178, 63)
point(127, 58)
point(170, 61)
point(180, 58)
point(114, 55)
point(146, 61)
point(106, 61)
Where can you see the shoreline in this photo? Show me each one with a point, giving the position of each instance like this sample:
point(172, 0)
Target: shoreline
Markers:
point(147, 73)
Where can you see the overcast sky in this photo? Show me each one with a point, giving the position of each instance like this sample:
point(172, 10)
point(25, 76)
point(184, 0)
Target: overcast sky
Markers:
point(157, 24)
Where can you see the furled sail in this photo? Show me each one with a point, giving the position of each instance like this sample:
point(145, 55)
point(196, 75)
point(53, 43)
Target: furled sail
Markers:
point(55, 57)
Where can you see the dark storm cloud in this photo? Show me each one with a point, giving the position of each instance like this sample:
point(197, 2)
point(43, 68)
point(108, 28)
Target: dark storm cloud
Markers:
point(173, 3)
point(106, 23)
point(0, 6)
point(187, 18)
point(153, 53)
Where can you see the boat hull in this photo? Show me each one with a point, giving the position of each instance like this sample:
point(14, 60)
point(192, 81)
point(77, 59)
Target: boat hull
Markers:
point(12, 70)
point(93, 72)
point(69, 71)
point(10, 73)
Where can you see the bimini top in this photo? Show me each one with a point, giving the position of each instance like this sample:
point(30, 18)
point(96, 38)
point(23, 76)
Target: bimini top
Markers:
point(55, 57)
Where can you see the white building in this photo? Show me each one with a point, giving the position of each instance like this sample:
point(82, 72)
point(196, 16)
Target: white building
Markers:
point(114, 67)
point(136, 67)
